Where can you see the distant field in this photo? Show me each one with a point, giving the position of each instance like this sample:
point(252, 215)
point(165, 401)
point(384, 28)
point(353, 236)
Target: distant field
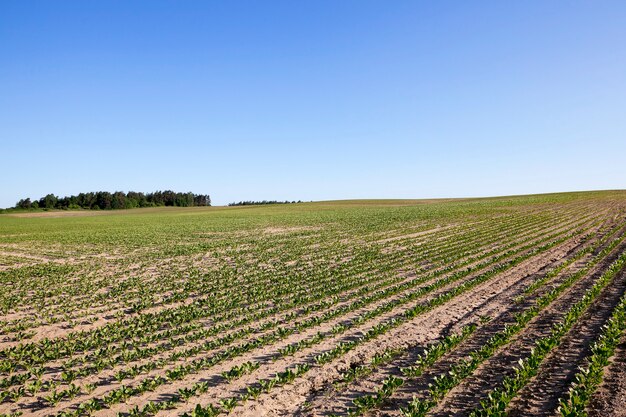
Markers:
point(478, 307)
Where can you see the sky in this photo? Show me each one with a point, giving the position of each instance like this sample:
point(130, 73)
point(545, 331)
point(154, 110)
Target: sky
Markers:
point(312, 100)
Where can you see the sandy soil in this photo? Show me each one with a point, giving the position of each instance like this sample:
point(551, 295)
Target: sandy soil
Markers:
point(610, 399)
point(404, 256)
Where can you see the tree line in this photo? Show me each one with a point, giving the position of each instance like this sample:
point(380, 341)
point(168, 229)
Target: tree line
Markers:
point(104, 200)
point(256, 203)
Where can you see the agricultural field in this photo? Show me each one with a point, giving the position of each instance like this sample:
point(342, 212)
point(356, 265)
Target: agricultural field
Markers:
point(476, 307)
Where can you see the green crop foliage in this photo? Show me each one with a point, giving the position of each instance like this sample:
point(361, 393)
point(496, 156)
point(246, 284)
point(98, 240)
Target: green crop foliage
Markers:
point(145, 310)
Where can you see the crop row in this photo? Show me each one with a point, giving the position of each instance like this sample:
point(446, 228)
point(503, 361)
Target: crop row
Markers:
point(445, 382)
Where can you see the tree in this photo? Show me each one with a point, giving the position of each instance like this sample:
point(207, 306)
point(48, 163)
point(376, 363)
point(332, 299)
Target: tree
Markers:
point(104, 200)
point(48, 202)
point(136, 199)
point(24, 203)
point(118, 200)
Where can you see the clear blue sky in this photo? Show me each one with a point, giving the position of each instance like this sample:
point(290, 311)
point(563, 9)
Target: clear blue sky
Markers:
point(312, 100)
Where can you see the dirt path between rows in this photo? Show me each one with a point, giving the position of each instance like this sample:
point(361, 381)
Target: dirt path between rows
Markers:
point(541, 396)
point(215, 377)
point(465, 397)
point(487, 298)
point(496, 306)
point(610, 398)
point(420, 331)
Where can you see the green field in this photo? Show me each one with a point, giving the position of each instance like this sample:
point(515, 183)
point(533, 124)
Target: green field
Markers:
point(363, 307)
